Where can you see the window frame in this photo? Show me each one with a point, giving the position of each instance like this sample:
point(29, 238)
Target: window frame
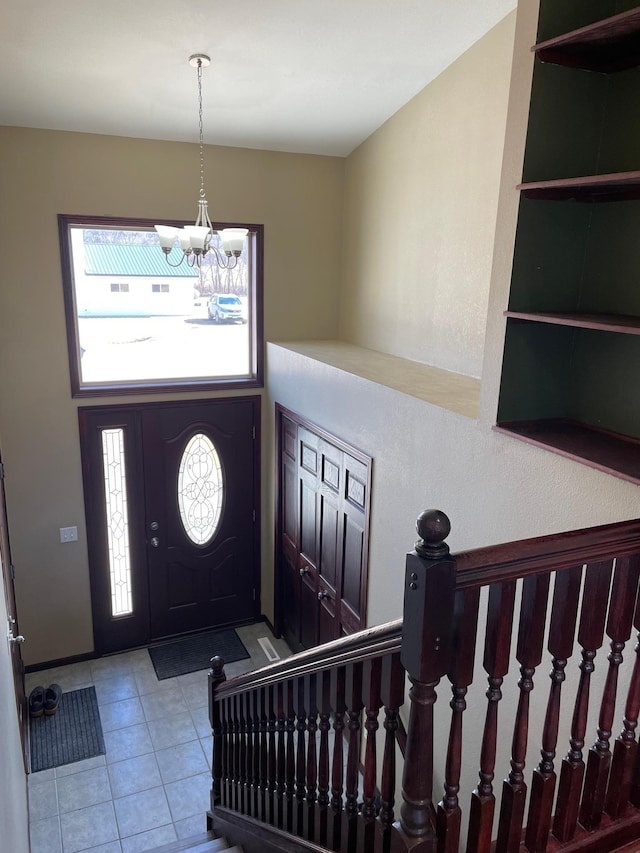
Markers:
point(80, 389)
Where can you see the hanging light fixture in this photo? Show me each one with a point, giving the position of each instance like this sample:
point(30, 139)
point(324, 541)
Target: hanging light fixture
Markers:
point(195, 241)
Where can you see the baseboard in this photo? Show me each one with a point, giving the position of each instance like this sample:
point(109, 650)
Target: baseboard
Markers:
point(50, 664)
point(267, 621)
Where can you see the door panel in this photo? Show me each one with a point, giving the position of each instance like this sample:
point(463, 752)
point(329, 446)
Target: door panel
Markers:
point(194, 540)
point(326, 490)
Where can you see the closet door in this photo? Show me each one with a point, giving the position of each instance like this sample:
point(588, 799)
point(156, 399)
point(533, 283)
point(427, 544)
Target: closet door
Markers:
point(322, 534)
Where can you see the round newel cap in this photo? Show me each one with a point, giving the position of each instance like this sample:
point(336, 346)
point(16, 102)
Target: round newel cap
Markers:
point(217, 665)
point(433, 527)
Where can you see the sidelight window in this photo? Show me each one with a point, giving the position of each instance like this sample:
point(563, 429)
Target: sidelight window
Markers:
point(117, 518)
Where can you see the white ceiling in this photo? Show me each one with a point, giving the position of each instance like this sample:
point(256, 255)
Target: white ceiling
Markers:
point(314, 76)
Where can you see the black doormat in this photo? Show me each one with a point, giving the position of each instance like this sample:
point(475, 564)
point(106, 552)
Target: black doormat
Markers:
point(194, 653)
point(73, 733)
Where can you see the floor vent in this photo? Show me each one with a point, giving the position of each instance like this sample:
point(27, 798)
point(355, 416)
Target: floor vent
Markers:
point(268, 649)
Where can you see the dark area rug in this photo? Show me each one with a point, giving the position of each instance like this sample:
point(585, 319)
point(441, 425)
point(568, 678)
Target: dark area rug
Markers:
point(73, 733)
point(194, 653)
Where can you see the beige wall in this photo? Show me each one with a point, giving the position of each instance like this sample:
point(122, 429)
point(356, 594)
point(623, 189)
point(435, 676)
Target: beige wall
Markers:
point(298, 199)
point(420, 214)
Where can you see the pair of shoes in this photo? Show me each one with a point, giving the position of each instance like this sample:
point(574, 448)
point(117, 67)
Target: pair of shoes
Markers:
point(36, 702)
point(43, 701)
point(52, 697)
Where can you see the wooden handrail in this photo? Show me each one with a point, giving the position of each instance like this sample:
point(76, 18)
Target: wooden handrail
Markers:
point(355, 648)
point(520, 559)
point(274, 760)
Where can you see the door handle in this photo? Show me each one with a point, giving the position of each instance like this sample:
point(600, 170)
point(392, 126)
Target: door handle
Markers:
point(323, 594)
point(19, 639)
point(154, 542)
point(304, 571)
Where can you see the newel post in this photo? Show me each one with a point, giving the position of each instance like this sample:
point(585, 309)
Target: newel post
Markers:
point(216, 677)
point(429, 591)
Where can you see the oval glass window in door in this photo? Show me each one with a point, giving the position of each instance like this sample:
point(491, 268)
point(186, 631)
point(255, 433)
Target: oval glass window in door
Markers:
point(200, 489)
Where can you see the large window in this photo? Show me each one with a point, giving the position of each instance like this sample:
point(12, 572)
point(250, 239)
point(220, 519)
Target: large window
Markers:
point(136, 323)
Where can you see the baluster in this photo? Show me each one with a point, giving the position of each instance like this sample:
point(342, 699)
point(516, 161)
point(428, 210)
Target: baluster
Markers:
point(426, 654)
point(392, 695)
point(323, 702)
point(353, 690)
point(271, 694)
point(461, 676)
point(371, 684)
point(249, 780)
point(595, 599)
point(337, 768)
point(621, 607)
point(310, 704)
point(290, 766)
point(216, 677)
point(225, 792)
point(560, 645)
point(533, 610)
point(242, 754)
point(301, 763)
point(281, 757)
point(234, 745)
point(264, 767)
point(496, 664)
point(625, 749)
point(255, 713)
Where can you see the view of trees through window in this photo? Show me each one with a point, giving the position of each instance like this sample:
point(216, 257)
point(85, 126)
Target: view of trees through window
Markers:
point(135, 319)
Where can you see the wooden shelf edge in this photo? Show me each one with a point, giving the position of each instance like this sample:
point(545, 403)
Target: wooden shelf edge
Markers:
point(615, 186)
point(619, 323)
point(609, 452)
point(607, 45)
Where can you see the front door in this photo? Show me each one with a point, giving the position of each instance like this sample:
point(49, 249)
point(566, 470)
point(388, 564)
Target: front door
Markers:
point(181, 553)
point(13, 635)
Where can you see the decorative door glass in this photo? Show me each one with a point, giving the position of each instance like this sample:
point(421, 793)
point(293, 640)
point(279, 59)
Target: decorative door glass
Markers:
point(115, 496)
point(200, 489)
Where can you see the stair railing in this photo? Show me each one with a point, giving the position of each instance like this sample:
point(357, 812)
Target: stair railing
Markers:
point(296, 743)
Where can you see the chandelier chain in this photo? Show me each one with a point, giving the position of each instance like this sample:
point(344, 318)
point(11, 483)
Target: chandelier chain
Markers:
point(202, 193)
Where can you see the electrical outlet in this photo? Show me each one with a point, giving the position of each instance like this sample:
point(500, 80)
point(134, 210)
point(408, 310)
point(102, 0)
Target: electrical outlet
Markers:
point(68, 534)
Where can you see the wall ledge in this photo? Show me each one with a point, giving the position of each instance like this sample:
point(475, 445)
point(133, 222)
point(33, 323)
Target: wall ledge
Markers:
point(452, 391)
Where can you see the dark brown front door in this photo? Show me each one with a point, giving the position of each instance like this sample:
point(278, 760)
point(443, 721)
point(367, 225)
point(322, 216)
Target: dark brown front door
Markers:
point(192, 486)
point(196, 584)
point(12, 616)
point(322, 534)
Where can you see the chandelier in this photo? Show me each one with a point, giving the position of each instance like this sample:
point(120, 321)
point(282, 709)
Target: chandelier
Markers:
point(195, 241)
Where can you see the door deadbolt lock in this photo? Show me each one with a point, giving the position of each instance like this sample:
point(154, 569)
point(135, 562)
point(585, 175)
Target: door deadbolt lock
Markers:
point(154, 525)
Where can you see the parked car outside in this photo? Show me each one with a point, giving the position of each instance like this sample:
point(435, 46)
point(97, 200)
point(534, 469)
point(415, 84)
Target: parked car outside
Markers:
point(226, 308)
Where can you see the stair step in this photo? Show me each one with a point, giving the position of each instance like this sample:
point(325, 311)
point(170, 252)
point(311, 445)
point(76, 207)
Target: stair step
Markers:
point(205, 843)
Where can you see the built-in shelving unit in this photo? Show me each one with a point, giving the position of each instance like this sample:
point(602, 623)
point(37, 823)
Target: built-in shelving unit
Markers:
point(571, 368)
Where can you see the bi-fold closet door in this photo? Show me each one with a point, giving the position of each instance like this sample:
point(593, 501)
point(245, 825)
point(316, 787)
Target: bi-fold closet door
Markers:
point(322, 530)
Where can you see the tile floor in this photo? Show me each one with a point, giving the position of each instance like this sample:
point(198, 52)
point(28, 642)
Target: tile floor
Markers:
point(153, 784)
